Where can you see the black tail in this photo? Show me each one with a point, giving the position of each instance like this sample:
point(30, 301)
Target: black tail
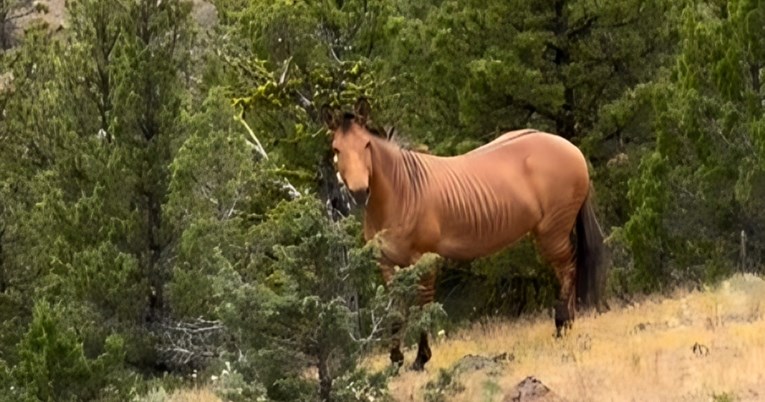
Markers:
point(591, 255)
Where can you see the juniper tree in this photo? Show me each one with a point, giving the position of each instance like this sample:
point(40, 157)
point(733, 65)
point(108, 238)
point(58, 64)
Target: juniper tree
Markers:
point(698, 189)
point(95, 121)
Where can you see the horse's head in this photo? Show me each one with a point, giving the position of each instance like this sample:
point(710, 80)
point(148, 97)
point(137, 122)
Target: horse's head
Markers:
point(351, 143)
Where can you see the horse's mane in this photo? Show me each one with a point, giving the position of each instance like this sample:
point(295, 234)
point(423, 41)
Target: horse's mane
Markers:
point(390, 134)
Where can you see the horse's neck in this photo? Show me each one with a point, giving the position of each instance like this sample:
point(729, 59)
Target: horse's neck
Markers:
point(398, 179)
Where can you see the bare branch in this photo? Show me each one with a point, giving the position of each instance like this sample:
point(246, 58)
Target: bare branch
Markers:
point(185, 343)
point(334, 55)
point(304, 102)
point(253, 139)
point(290, 189)
point(283, 77)
point(255, 142)
point(231, 210)
point(376, 326)
point(21, 15)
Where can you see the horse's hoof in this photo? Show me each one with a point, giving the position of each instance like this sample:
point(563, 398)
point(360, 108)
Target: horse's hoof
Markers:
point(420, 361)
point(395, 369)
point(561, 327)
point(396, 357)
point(417, 365)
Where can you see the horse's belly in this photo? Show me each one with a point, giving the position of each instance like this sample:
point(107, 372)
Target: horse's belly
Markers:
point(490, 224)
point(468, 246)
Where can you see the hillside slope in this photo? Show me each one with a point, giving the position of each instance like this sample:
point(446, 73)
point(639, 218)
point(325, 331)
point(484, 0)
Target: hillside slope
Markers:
point(55, 15)
point(694, 346)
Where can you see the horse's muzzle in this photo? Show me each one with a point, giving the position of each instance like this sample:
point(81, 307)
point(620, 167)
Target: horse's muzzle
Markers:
point(360, 197)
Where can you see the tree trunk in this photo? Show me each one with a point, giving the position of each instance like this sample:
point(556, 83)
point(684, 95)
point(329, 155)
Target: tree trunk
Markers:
point(564, 122)
point(156, 278)
point(325, 378)
point(2, 263)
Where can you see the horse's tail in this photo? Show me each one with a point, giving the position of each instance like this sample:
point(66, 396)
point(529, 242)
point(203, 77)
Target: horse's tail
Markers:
point(591, 254)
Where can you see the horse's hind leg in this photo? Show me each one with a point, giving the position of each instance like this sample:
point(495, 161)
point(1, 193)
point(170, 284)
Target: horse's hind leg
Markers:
point(556, 247)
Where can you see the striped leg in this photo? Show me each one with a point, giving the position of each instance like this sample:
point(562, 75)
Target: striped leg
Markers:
point(557, 248)
point(396, 356)
point(427, 291)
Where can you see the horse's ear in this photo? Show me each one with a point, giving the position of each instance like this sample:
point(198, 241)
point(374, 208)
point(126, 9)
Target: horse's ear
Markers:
point(329, 117)
point(361, 110)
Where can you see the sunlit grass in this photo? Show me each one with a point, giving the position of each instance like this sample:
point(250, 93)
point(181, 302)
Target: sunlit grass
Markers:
point(637, 353)
point(194, 395)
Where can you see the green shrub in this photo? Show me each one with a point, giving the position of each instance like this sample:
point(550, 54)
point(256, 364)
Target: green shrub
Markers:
point(53, 365)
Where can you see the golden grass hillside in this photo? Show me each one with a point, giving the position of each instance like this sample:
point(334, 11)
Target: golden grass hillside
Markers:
point(695, 346)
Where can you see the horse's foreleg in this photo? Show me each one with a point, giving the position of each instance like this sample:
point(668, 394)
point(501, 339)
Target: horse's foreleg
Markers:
point(558, 250)
point(396, 356)
point(426, 294)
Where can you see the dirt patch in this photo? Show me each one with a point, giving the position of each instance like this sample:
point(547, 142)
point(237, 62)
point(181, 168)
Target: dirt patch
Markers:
point(205, 14)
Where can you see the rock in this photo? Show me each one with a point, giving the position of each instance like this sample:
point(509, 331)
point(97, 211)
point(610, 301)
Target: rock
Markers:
point(205, 14)
point(493, 365)
point(531, 390)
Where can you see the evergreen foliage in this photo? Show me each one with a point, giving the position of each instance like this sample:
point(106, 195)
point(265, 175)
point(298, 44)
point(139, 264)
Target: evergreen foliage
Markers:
point(168, 206)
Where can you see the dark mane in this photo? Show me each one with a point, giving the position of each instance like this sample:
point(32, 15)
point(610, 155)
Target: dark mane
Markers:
point(348, 118)
point(379, 132)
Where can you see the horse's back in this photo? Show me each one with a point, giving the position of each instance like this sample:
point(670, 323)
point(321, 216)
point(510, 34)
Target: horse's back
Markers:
point(530, 152)
point(502, 140)
point(554, 167)
point(507, 186)
point(555, 175)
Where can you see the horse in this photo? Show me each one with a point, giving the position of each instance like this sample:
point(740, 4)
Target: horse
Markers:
point(471, 205)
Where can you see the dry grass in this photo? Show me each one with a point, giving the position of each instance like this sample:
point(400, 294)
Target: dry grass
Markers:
point(194, 395)
point(638, 353)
